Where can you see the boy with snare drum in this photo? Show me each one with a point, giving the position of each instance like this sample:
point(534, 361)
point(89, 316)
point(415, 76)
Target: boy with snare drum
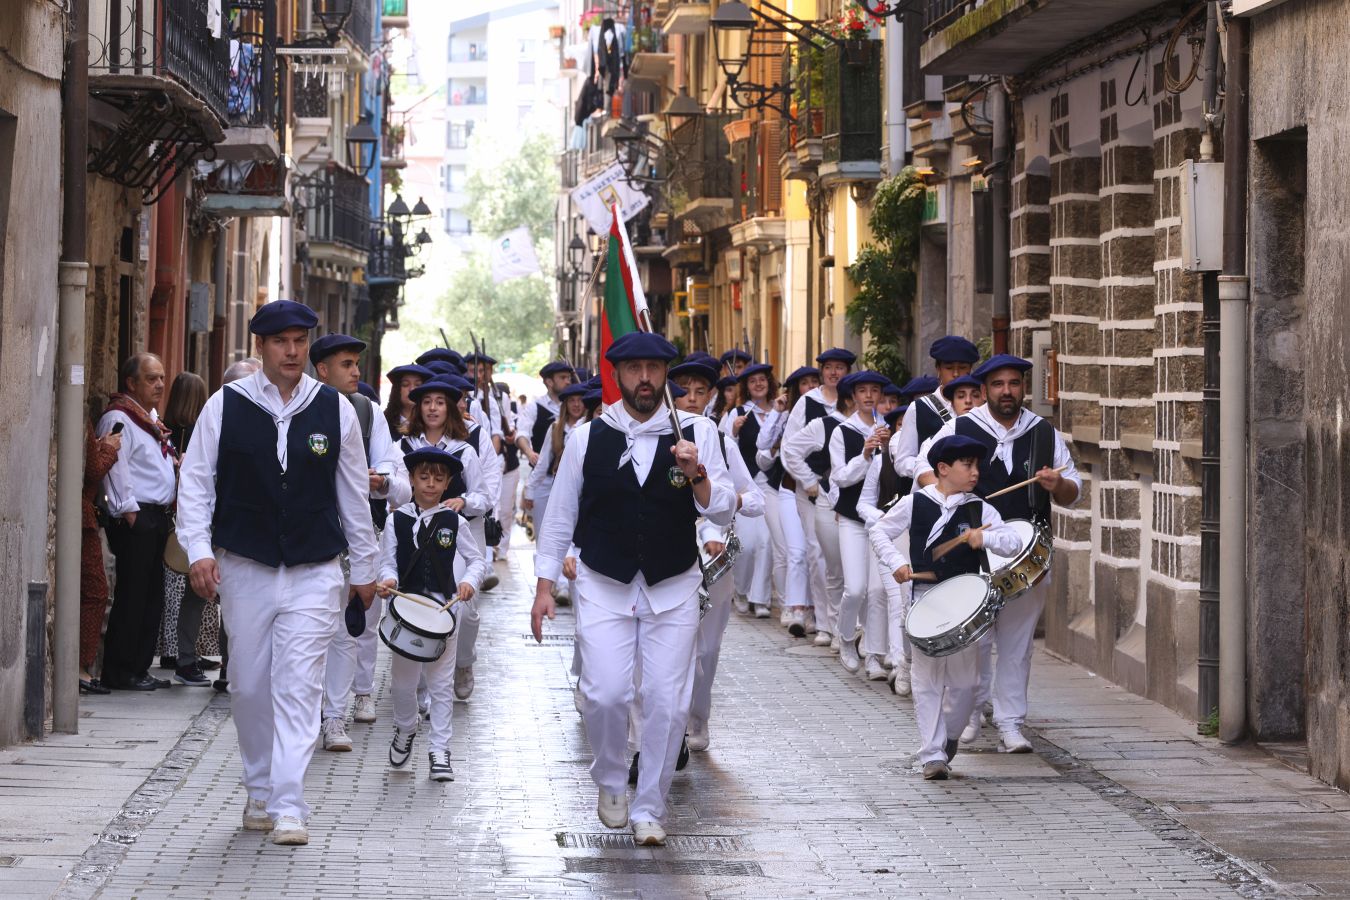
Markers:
point(940, 513)
point(427, 550)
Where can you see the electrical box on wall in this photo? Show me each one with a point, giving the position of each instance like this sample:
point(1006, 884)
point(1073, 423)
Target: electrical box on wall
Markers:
point(1041, 395)
point(199, 307)
point(1201, 216)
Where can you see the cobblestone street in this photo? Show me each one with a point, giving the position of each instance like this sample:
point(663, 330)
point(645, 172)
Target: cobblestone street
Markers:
point(808, 789)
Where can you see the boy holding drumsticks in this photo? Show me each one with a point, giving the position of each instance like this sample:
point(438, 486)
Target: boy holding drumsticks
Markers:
point(941, 512)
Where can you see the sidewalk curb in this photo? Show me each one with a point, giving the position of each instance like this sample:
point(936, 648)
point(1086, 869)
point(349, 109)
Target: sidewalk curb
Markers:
point(99, 862)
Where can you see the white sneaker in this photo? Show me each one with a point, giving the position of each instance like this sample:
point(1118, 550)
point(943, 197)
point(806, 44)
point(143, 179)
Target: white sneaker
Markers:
point(463, 682)
point(290, 832)
point(365, 709)
point(834, 643)
point(796, 620)
point(822, 639)
point(697, 736)
point(972, 729)
point(742, 605)
point(810, 620)
point(335, 737)
point(612, 809)
point(400, 748)
point(256, 817)
point(848, 655)
point(785, 617)
point(901, 684)
point(649, 834)
point(761, 611)
point(1012, 741)
point(876, 669)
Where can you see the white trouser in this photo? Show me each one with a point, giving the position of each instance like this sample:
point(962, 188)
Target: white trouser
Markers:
point(777, 543)
point(466, 629)
point(863, 598)
point(1014, 636)
point(797, 589)
point(752, 569)
point(815, 567)
point(540, 505)
point(827, 536)
point(898, 598)
point(711, 628)
point(406, 677)
point(506, 508)
point(612, 644)
point(984, 649)
point(281, 623)
point(350, 664)
point(944, 696)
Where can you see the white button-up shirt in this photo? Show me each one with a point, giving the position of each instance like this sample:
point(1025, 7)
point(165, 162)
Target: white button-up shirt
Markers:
point(560, 520)
point(796, 447)
point(525, 421)
point(142, 473)
point(998, 538)
point(197, 491)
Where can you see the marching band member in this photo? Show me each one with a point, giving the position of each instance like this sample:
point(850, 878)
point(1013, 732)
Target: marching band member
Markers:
point(571, 413)
point(882, 488)
point(539, 414)
point(266, 537)
point(1018, 444)
point(799, 617)
point(759, 574)
point(427, 550)
point(853, 446)
point(952, 357)
point(402, 379)
point(723, 399)
point(506, 503)
point(944, 687)
point(628, 493)
point(484, 443)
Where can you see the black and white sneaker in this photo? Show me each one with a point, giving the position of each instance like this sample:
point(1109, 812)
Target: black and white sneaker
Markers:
point(192, 677)
point(440, 766)
point(400, 748)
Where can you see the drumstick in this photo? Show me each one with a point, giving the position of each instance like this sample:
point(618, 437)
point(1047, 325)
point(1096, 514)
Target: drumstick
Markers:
point(443, 608)
point(1021, 484)
point(946, 547)
point(923, 576)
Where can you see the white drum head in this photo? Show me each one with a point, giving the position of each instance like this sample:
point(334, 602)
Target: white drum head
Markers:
point(947, 605)
point(428, 618)
point(1026, 533)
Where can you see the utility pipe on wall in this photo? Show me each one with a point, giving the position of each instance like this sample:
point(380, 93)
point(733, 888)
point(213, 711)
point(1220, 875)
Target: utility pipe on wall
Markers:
point(999, 180)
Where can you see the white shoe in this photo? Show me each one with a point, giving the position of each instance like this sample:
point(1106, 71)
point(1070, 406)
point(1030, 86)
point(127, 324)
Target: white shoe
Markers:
point(972, 729)
point(810, 620)
point(365, 709)
point(1012, 741)
point(901, 684)
point(290, 832)
point(834, 643)
point(256, 817)
point(785, 617)
point(463, 682)
point(649, 834)
point(848, 655)
point(796, 620)
point(761, 611)
point(335, 737)
point(822, 639)
point(742, 605)
point(697, 736)
point(612, 809)
point(875, 670)
point(400, 748)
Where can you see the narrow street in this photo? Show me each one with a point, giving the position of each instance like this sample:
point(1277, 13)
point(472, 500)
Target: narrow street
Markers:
point(808, 789)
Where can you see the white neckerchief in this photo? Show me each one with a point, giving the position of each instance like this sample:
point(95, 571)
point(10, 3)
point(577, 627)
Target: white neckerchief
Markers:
point(760, 414)
point(1005, 437)
point(617, 417)
point(857, 424)
point(419, 516)
point(817, 394)
point(446, 443)
point(265, 395)
point(947, 507)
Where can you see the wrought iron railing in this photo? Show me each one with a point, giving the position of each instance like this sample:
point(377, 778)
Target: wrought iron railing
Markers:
point(388, 259)
point(161, 38)
point(255, 77)
point(341, 215)
point(702, 169)
point(938, 14)
point(852, 101)
point(309, 98)
point(358, 18)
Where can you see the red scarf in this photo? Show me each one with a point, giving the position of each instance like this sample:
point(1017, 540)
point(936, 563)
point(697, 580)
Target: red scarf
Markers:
point(126, 405)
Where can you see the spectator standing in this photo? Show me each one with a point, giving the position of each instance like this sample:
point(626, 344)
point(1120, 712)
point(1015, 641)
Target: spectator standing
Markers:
point(99, 456)
point(183, 609)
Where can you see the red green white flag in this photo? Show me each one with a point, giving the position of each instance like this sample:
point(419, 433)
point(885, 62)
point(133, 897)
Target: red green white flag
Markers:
point(624, 301)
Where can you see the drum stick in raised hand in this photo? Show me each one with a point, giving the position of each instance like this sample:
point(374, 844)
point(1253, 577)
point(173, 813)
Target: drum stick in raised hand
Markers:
point(1021, 484)
point(946, 547)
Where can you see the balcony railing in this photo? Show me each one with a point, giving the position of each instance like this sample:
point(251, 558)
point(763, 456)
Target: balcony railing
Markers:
point(310, 99)
point(341, 216)
point(567, 165)
point(472, 96)
point(163, 39)
point(938, 14)
point(356, 26)
point(852, 100)
point(254, 75)
point(702, 170)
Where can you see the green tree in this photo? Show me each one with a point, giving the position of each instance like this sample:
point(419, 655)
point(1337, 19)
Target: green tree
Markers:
point(886, 274)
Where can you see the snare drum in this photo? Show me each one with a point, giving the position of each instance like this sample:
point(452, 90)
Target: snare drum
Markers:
point(1017, 574)
point(416, 631)
point(953, 615)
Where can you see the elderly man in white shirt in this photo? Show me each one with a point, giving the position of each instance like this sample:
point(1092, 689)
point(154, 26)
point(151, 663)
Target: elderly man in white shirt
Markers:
point(629, 493)
point(266, 536)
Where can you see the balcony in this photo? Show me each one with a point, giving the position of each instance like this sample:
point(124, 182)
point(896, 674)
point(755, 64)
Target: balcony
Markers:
point(1006, 37)
point(803, 68)
point(851, 143)
point(392, 142)
point(338, 225)
point(255, 82)
point(247, 188)
point(567, 167)
point(393, 14)
point(687, 17)
point(158, 86)
point(755, 176)
point(468, 95)
point(701, 172)
point(651, 63)
point(355, 17)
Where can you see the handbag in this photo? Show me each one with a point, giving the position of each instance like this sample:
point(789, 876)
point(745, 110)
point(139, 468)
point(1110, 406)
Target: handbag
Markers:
point(492, 530)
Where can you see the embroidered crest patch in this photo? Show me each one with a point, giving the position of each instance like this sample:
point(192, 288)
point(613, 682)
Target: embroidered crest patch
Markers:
point(318, 444)
point(446, 538)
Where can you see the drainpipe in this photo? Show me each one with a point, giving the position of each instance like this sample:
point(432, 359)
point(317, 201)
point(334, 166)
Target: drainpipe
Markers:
point(1233, 297)
point(897, 135)
point(73, 279)
point(1000, 226)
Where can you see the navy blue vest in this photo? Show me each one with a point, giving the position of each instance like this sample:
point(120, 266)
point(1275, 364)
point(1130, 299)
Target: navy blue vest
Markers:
point(745, 441)
point(272, 517)
point(439, 536)
point(890, 486)
point(624, 528)
point(847, 504)
point(543, 418)
point(511, 452)
point(818, 461)
point(814, 410)
point(963, 560)
point(926, 420)
point(1032, 452)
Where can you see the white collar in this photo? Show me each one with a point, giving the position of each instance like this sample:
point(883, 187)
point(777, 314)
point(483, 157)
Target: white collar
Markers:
point(267, 396)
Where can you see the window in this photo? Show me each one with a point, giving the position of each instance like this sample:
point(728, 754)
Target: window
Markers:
point(525, 72)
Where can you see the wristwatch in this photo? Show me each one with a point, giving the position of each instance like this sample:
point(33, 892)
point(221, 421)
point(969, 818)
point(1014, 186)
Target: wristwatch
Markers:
point(701, 477)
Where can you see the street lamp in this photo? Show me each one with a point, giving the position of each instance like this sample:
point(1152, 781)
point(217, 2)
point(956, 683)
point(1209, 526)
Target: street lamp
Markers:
point(423, 238)
point(421, 210)
point(733, 27)
point(398, 209)
point(576, 249)
point(361, 143)
point(681, 108)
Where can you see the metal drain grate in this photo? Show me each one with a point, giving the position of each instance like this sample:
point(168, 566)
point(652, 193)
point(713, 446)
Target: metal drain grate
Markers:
point(550, 639)
point(595, 865)
point(706, 843)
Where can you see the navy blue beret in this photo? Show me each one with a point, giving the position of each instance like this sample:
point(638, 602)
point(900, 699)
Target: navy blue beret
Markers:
point(367, 391)
point(1001, 361)
point(726, 381)
point(355, 616)
point(736, 354)
point(331, 343)
point(755, 369)
point(556, 367)
point(949, 389)
point(421, 372)
point(676, 392)
point(954, 447)
point(954, 349)
point(641, 345)
point(593, 398)
point(916, 387)
point(803, 372)
point(583, 374)
point(695, 369)
point(702, 356)
point(441, 384)
point(594, 383)
point(891, 389)
point(837, 354)
point(440, 354)
point(479, 357)
point(573, 390)
point(441, 367)
point(279, 315)
point(894, 416)
point(433, 455)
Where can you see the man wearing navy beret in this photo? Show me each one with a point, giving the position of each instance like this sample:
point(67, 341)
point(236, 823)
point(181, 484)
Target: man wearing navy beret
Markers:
point(953, 357)
point(273, 489)
point(538, 414)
